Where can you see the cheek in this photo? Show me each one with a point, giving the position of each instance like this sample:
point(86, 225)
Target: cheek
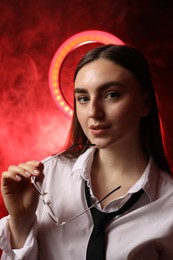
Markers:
point(127, 111)
point(81, 116)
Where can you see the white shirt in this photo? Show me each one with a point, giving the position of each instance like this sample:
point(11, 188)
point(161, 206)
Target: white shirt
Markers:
point(144, 232)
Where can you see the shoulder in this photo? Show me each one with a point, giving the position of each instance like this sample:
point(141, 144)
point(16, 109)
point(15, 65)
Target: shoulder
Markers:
point(164, 190)
point(159, 184)
point(165, 180)
point(61, 163)
point(58, 162)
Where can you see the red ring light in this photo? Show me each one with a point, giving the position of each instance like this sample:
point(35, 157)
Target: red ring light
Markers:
point(70, 44)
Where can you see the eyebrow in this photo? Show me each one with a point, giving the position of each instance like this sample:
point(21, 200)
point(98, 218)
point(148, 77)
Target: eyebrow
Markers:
point(101, 87)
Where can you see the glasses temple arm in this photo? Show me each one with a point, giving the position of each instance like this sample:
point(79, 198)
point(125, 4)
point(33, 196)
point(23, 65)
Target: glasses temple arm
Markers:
point(98, 202)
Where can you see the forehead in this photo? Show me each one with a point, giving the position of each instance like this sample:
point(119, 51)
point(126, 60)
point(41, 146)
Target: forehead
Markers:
point(102, 70)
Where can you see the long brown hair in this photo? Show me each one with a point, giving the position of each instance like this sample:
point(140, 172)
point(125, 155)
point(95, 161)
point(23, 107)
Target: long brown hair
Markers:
point(132, 60)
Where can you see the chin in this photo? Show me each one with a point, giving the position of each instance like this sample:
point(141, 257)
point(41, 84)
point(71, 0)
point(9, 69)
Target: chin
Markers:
point(100, 146)
point(101, 143)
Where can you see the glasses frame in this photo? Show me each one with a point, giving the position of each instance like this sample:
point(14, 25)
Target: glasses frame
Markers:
point(47, 203)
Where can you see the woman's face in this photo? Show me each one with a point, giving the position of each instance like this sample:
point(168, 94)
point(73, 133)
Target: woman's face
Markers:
point(109, 103)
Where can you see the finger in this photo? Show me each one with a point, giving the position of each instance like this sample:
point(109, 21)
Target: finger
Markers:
point(35, 163)
point(22, 171)
point(18, 171)
point(39, 165)
point(31, 168)
point(9, 176)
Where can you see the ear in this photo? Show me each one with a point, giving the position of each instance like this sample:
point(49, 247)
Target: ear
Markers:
point(146, 105)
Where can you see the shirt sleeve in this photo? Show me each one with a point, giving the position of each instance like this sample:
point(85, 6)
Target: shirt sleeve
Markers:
point(28, 251)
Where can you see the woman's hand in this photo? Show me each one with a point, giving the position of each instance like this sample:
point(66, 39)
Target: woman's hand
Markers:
point(20, 197)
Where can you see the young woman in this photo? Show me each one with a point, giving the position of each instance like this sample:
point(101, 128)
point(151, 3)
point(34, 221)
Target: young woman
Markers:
point(115, 142)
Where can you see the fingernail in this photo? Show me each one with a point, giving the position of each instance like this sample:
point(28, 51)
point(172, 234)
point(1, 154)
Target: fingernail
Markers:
point(18, 178)
point(36, 172)
point(28, 174)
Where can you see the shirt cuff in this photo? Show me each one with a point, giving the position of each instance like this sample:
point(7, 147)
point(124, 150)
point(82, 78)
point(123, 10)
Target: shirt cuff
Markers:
point(28, 251)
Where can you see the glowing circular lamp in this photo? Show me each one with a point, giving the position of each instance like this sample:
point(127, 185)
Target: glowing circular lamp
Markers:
point(69, 45)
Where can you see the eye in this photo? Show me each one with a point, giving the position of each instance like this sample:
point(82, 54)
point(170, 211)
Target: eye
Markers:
point(113, 95)
point(82, 99)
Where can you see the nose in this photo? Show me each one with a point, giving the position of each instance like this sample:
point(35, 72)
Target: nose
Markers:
point(95, 109)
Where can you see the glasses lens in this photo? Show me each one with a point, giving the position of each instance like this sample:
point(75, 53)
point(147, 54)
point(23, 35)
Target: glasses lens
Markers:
point(50, 212)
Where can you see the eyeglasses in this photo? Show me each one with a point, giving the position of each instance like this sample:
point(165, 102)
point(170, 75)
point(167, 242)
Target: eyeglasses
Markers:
point(47, 203)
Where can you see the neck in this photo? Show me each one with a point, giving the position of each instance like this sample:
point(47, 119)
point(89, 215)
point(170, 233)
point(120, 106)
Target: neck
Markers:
point(116, 166)
point(122, 159)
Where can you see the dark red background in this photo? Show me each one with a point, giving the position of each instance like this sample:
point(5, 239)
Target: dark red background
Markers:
point(31, 126)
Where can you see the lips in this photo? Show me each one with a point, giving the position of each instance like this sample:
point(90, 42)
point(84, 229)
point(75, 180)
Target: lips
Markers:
point(99, 127)
point(99, 130)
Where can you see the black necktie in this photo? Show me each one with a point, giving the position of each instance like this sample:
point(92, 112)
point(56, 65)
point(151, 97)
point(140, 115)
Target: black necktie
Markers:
point(96, 249)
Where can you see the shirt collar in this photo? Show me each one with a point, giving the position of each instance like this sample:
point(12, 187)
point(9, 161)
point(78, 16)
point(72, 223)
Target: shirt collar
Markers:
point(152, 179)
point(84, 163)
point(147, 182)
